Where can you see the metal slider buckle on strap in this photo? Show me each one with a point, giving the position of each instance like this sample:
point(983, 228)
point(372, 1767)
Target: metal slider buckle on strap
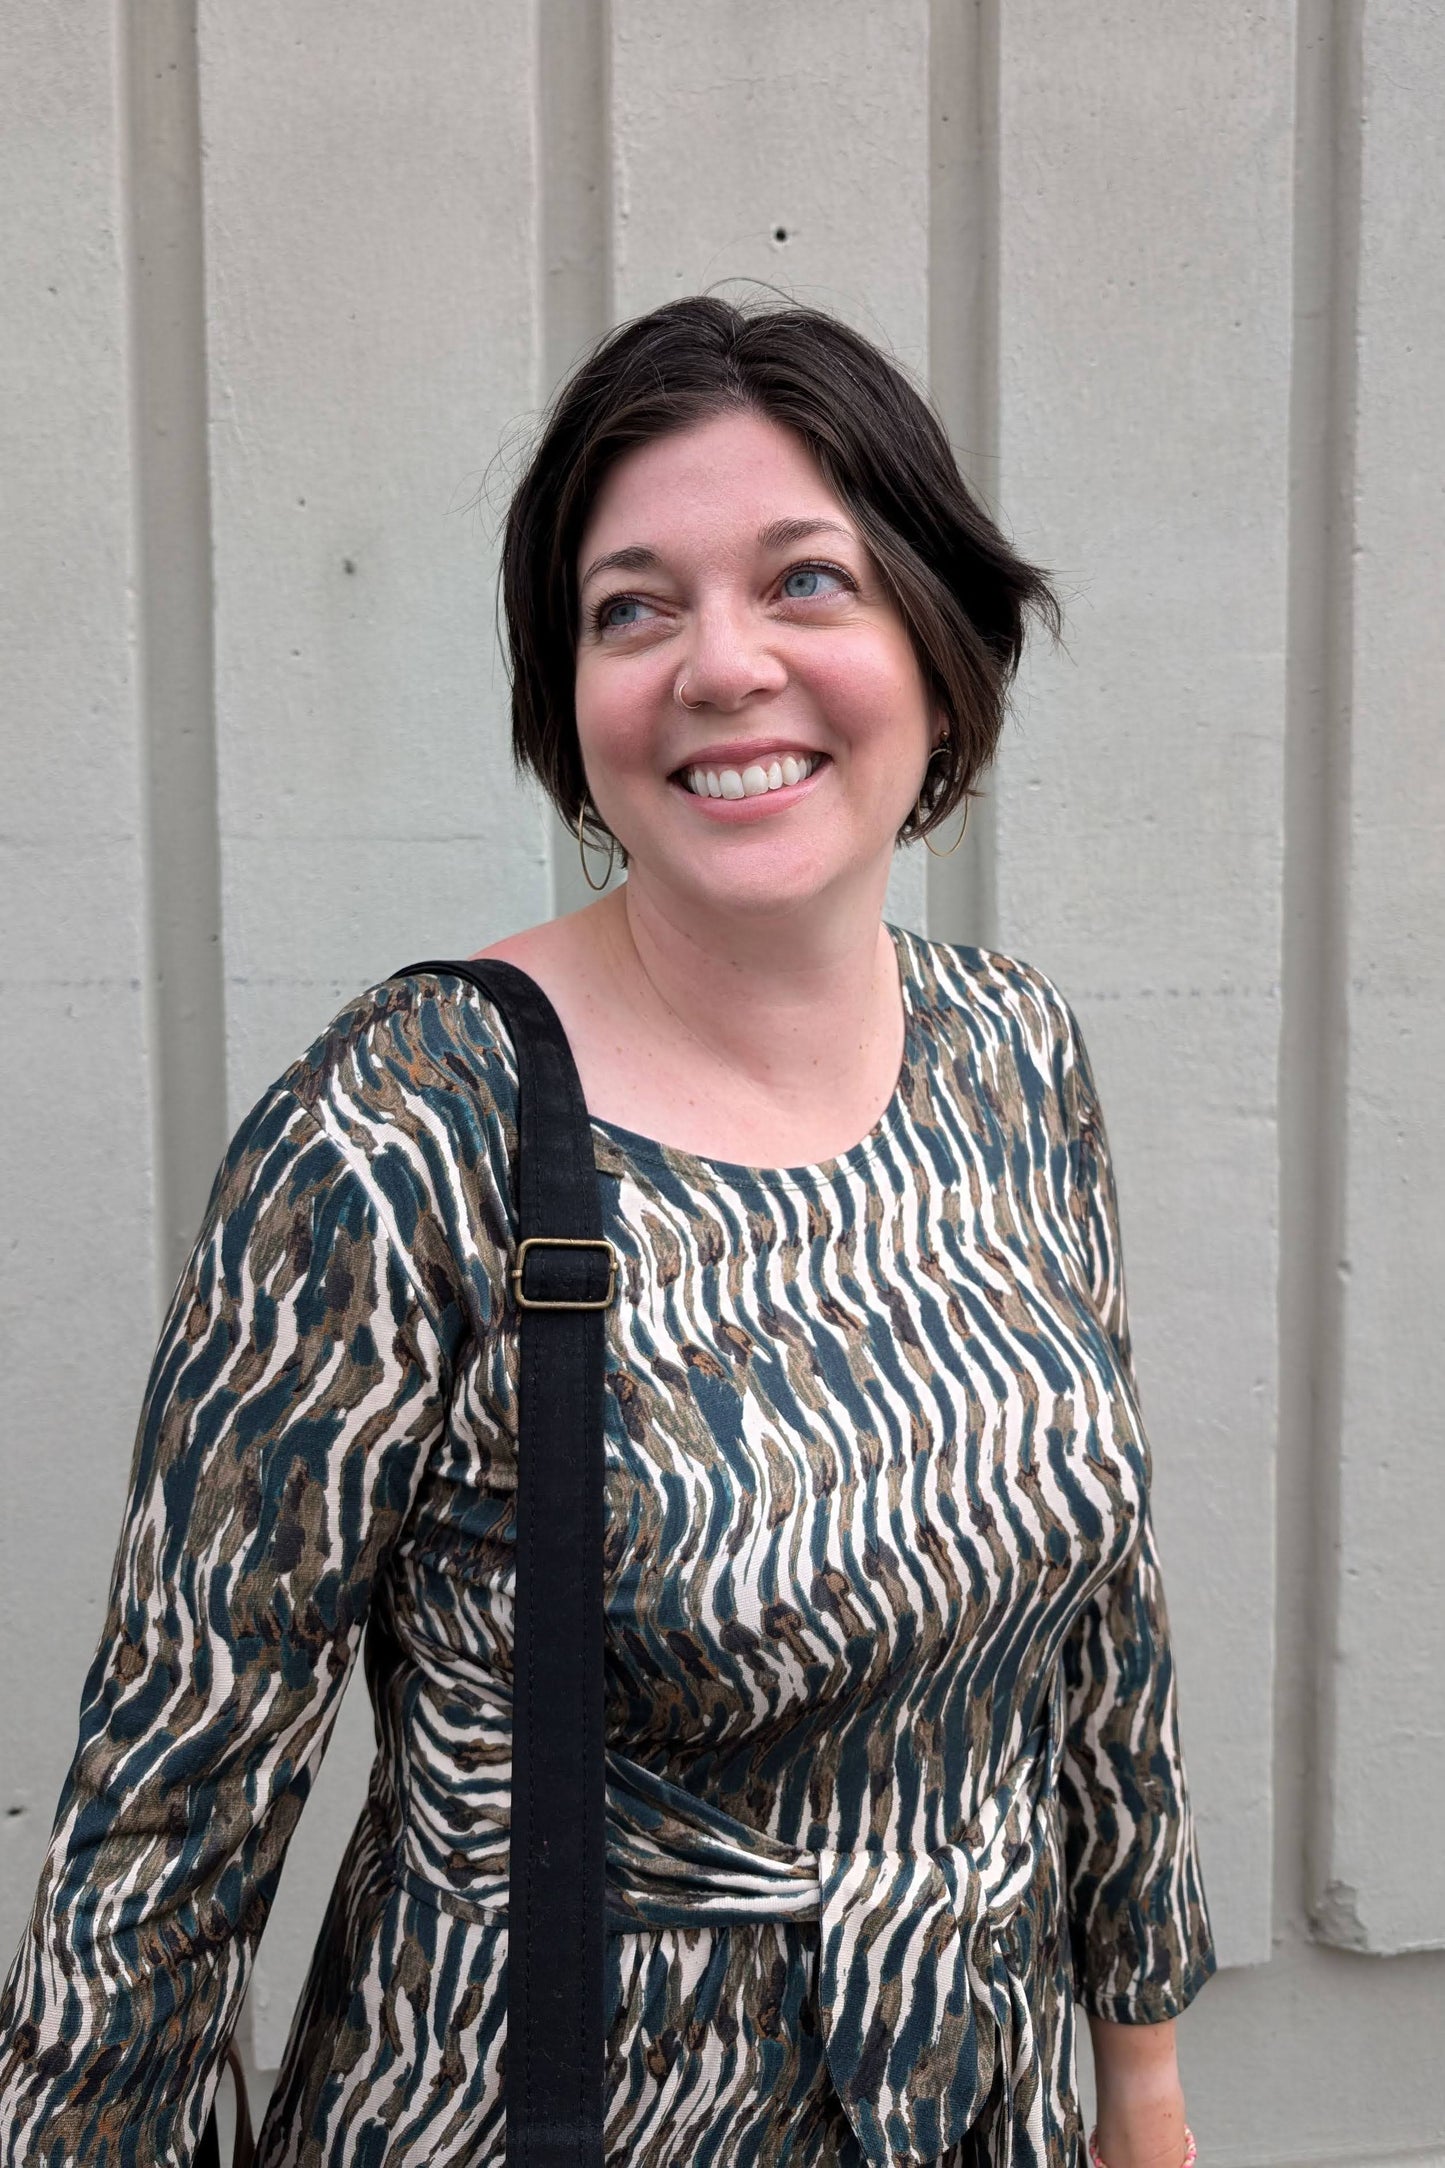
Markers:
point(564, 1242)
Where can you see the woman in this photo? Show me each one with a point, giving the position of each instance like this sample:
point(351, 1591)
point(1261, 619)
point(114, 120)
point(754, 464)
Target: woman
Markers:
point(882, 1594)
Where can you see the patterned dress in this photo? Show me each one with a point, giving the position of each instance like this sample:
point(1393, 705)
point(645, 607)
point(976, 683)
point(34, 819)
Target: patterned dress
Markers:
point(894, 1771)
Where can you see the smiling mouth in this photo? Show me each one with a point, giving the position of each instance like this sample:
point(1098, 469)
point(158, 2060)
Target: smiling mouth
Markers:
point(759, 779)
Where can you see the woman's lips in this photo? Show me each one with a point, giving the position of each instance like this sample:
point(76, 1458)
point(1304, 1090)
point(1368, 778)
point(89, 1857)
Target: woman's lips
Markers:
point(730, 810)
point(750, 777)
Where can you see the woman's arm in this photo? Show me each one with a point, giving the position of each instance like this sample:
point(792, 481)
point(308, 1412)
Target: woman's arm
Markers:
point(295, 1390)
point(1139, 1923)
point(1140, 2102)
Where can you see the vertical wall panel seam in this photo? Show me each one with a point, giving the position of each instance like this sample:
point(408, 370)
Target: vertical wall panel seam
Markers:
point(607, 165)
point(541, 146)
point(1305, 1173)
point(962, 360)
point(990, 389)
point(573, 182)
point(124, 37)
point(990, 127)
point(1347, 37)
point(1347, 30)
point(172, 604)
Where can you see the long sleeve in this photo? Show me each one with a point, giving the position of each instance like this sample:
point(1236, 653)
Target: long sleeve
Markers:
point(1141, 1937)
point(298, 1382)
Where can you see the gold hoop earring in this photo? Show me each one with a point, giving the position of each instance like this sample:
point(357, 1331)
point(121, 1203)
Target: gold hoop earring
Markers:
point(953, 846)
point(596, 886)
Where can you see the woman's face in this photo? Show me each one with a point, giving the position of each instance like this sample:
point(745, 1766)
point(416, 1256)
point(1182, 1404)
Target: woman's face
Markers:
point(717, 563)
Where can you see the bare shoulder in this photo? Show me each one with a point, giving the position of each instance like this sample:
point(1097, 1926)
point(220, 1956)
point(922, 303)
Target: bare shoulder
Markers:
point(518, 948)
point(561, 954)
point(567, 958)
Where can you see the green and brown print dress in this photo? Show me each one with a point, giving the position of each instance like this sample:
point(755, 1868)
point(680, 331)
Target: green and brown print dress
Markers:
point(894, 1770)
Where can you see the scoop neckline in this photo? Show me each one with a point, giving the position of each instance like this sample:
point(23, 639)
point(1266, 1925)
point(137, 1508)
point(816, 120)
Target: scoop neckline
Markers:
point(659, 1157)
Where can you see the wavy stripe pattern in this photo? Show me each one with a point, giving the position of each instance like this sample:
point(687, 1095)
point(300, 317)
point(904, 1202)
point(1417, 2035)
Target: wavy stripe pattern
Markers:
point(895, 1781)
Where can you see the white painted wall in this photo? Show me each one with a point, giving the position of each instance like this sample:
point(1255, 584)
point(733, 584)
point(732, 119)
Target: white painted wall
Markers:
point(1144, 392)
point(282, 285)
point(1383, 1864)
point(77, 1169)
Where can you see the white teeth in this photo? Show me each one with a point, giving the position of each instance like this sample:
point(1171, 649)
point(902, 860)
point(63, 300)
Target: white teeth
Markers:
point(753, 781)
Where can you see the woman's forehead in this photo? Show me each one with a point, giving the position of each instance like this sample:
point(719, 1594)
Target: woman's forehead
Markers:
point(734, 471)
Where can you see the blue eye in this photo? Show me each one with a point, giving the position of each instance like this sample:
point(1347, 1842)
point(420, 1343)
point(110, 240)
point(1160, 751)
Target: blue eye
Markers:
point(604, 619)
point(808, 572)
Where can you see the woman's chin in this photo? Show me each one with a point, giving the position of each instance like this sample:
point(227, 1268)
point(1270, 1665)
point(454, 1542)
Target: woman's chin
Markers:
point(755, 883)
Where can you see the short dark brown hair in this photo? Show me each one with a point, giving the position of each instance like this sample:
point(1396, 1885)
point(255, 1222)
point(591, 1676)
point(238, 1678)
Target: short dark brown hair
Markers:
point(961, 590)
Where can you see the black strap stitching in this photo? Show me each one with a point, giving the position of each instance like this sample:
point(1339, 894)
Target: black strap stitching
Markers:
point(557, 2045)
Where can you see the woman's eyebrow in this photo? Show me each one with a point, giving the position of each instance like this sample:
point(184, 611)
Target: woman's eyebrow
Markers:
point(635, 558)
point(783, 533)
point(780, 534)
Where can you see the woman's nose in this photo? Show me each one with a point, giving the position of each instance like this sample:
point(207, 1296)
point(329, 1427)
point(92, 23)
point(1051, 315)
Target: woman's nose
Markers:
point(730, 657)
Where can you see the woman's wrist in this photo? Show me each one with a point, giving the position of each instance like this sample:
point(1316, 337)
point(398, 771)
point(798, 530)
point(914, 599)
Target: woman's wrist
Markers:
point(1140, 2100)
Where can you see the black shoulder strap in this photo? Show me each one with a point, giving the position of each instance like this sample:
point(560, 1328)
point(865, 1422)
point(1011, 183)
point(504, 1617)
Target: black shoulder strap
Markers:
point(563, 1278)
point(243, 2144)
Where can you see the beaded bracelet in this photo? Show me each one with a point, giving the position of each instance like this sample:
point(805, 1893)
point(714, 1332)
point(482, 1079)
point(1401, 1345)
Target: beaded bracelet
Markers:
point(1097, 2159)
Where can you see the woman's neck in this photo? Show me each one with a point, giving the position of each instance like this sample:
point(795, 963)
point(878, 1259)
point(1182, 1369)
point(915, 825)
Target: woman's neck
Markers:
point(776, 1012)
point(772, 1051)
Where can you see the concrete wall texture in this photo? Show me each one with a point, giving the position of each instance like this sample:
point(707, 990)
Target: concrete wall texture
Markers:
point(286, 288)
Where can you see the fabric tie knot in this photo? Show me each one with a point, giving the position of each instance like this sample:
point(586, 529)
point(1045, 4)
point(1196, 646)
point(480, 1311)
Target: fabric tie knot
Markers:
point(925, 2024)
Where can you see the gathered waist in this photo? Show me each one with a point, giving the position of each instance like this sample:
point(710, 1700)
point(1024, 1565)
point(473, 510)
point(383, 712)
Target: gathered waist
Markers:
point(675, 1860)
point(922, 1929)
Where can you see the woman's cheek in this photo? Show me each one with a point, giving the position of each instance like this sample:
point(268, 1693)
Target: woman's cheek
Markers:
point(617, 717)
point(858, 680)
